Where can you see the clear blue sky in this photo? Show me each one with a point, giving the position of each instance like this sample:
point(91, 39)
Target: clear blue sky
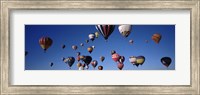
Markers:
point(76, 34)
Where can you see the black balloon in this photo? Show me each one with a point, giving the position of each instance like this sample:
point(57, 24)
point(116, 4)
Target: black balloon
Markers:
point(166, 61)
point(87, 59)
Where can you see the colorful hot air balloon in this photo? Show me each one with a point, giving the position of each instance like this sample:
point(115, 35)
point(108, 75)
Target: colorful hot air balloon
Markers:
point(132, 59)
point(91, 36)
point(90, 49)
point(45, 42)
point(131, 41)
point(81, 44)
point(70, 61)
point(74, 47)
point(124, 30)
point(86, 59)
point(121, 59)
point(156, 38)
point(115, 57)
point(86, 41)
point(120, 65)
point(140, 60)
point(79, 64)
point(166, 61)
point(94, 63)
point(96, 34)
point(78, 53)
point(105, 30)
point(100, 67)
point(63, 46)
point(102, 58)
point(113, 52)
point(51, 64)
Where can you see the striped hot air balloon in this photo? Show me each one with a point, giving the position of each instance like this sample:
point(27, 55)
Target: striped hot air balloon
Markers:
point(45, 42)
point(105, 30)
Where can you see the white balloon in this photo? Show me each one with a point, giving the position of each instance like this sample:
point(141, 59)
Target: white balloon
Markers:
point(125, 30)
point(91, 36)
point(132, 59)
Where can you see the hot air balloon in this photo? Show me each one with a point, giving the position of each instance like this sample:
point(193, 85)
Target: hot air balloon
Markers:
point(86, 41)
point(78, 58)
point(115, 57)
point(156, 38)
point(166, 61)
point(51, 64)
point(93, 47)
point(86, 59)
point(131, 41)
point(94, 63)
point(132, 59)
point(124, 30)
point(79, 64)
point(121, 59)
point(63, 46)
point(45, 42)
point(120, 65)
point(113, 52)
point(81, 44)
point(70, 61)
point(74, 47)
point(90, 49)
point(91, 36)
point(140, 60)
point(78, 53)
point(26, 52)
point(102, 58)
point(100, 67)
point(105, 30)
point(96, 34)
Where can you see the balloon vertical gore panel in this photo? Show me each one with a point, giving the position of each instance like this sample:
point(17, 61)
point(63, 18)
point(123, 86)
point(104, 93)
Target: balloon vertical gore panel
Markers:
point(100, 47)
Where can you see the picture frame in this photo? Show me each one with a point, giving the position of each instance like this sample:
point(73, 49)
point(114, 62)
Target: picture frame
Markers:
point(8, 5)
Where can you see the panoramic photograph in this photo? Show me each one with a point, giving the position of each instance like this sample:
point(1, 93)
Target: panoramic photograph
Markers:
point(99, 47)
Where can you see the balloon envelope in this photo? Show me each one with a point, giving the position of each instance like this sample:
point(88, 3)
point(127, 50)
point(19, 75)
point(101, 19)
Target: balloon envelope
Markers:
point(120, 65)
point(140, 60)
point(102, 58)
point(90, 49)
point(132, 59)
point(96, 34)
point(91, 36)
point(87, 59)
point(105, 30)
point(124, 30)
point(70, 61)
point(156, 38)
point(166, 61)
point(115, 57)
point(121, 59)
point(74, 47)
point(94, 63)
point(100, 67)
point(45, 42)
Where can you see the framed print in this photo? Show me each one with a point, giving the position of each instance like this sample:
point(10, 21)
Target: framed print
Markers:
point(100, 47)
